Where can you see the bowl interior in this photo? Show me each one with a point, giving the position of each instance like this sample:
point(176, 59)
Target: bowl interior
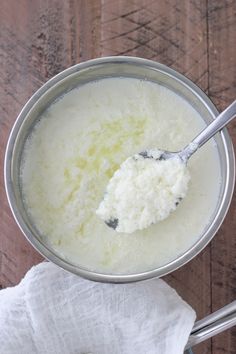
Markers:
point(92, 71)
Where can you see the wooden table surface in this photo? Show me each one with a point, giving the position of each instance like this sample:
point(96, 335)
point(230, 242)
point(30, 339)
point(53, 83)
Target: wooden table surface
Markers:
point(39, 38)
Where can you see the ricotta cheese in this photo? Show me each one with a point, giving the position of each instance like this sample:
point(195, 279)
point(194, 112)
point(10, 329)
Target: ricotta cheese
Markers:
point(143, 192)
point(76, 147)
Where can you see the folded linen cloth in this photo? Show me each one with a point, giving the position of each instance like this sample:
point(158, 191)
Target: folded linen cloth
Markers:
point(52, 311)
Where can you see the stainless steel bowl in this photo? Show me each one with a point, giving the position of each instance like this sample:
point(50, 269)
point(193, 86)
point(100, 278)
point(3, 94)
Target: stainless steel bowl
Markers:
point(95, 70)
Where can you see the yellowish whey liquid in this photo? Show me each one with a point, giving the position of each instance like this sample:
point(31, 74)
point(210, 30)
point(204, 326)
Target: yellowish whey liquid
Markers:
point(80, 142)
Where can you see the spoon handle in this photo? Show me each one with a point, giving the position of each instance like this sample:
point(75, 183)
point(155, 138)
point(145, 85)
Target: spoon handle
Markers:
point(212, 330)
point(220, 122)
point(213, 324)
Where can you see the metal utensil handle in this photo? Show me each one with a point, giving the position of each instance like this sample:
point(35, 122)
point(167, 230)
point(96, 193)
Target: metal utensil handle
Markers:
point(215, 316)
point(220, 122)
point(211, 330)
point(213, 324)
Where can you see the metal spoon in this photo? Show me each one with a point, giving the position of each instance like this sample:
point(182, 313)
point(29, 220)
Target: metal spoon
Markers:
point(219, 123)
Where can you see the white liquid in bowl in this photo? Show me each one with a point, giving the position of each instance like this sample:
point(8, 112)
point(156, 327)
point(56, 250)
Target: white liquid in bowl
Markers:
point(76, 147)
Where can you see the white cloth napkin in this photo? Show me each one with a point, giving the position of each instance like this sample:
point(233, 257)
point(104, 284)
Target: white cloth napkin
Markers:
point(54, 312)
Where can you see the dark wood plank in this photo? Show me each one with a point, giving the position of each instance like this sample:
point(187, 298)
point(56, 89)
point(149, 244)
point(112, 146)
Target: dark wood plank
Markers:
point(222, 90)
point(173, 33)
point(88, 28)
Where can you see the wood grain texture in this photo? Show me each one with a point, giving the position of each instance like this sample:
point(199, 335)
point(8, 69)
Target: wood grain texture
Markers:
point(40, 38)
point(171, 32)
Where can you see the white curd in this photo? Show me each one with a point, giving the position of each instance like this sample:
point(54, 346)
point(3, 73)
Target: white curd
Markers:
point(143, 191)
